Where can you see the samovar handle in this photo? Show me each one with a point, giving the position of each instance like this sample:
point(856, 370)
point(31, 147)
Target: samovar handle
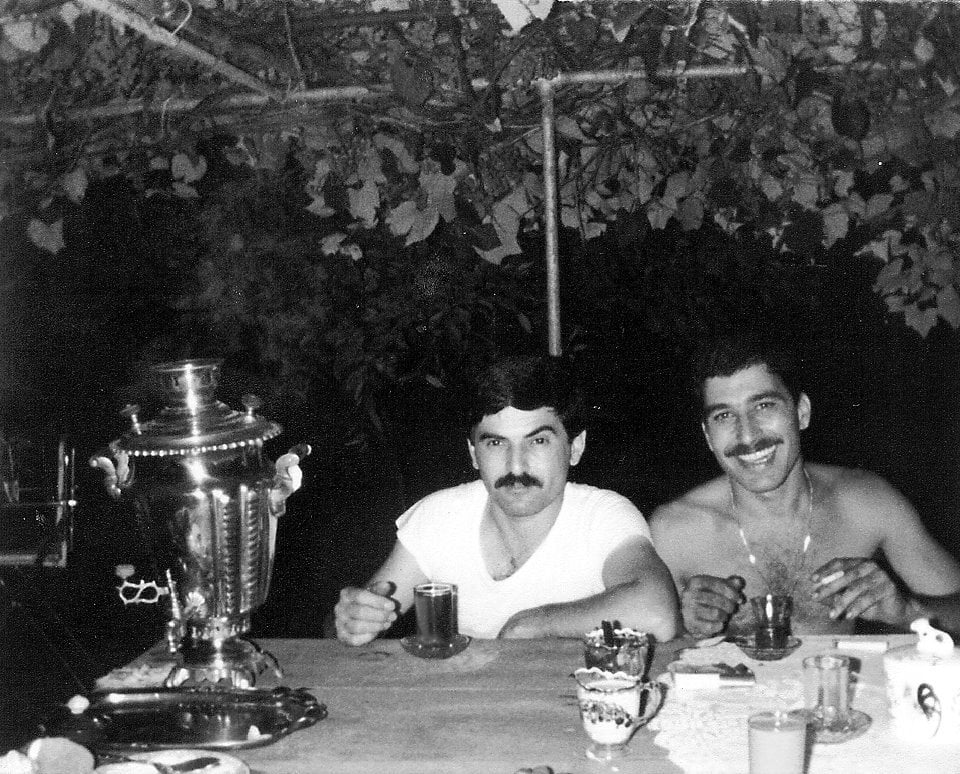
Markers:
point(287, 479)
point(116, 477)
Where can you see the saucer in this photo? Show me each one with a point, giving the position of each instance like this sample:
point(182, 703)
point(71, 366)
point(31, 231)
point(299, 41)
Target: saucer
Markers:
point(857, 725)
point(748, 645)
point(414, 647)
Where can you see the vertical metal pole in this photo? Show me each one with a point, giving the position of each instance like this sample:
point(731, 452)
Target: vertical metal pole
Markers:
point(550, 217)
point(546, 88)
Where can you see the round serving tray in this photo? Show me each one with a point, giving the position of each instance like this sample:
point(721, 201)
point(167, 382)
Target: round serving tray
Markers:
point(161, 719)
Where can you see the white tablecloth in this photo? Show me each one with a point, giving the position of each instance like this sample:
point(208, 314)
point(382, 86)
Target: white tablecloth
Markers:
point(705, 731)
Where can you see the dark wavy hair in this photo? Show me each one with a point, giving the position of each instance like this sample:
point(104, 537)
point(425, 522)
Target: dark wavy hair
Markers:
point(725, 354)
point(527, 382)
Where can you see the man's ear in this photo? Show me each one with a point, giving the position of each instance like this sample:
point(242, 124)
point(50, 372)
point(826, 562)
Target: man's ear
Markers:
point(577, 446)
point(706, 436)
point(804, 411)
point(473, 454)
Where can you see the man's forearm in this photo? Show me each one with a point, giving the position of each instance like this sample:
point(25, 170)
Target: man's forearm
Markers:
point(643, 606)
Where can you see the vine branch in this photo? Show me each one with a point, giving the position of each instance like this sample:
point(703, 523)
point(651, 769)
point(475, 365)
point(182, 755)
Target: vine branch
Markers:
point(158, 34)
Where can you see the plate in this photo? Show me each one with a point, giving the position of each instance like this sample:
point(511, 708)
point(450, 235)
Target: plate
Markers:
point(139, 762)
point(748, 645)
point(857, 726)
point(124, 722)
point(414, 647)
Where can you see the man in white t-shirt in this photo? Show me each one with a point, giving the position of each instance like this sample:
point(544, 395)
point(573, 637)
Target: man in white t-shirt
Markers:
point(532, 554)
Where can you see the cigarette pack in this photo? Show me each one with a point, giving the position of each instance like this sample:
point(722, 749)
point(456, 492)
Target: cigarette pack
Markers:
point(710, 676)
point(869, 646)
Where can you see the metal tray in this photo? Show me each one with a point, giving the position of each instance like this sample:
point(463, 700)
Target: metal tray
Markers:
point(169, 718)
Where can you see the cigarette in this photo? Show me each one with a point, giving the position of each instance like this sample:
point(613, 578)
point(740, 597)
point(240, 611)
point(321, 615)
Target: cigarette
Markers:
point(871, 646)
point(831, 578)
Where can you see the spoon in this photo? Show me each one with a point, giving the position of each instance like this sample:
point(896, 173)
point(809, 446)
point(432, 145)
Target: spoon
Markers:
point(194, 764)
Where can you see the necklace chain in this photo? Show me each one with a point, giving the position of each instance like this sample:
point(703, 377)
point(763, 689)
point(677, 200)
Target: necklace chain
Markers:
point(514, 562)
point(806, 540)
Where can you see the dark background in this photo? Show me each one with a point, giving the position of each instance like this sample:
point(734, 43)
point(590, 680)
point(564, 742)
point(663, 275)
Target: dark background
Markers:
point(883, 397)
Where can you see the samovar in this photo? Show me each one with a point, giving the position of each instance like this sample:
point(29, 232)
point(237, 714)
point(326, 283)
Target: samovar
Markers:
point(207, 501)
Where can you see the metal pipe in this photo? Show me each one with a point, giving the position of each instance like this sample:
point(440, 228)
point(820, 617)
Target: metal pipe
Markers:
point(546, 88)
point(615, 76)
point(184, 104)
point(550, 217)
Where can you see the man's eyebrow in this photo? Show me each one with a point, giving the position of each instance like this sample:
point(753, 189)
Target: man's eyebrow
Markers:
point(487, 435)
point(757, 396)
point(767, 394)
point(542, 429)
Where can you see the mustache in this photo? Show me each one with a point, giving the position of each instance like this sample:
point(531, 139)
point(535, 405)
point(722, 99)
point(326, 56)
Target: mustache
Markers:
point(739, 449)
point(524, 479)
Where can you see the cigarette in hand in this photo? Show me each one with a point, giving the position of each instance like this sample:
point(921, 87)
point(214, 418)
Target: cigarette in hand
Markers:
point(831, 578)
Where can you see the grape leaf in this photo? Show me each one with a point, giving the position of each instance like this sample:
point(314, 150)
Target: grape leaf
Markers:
point(943, 123)
point(948, 305)
point(836, 222)
point(424, 222)
point(921, 320)
point(318, 205)
point(877, 205)
point(364, 202)
point(400, 219)
point(659, 214)
point(184, 169)
point(330, 244)
point(74, 184)
point(46, 236)
point(505, 217)
point(396, 146)
point(29, 36)
point(690, 213)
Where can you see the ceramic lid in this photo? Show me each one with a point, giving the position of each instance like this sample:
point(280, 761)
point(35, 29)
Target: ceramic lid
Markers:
point(933, 647)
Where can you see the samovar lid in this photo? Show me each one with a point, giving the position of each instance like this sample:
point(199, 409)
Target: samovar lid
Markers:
point(194, 421)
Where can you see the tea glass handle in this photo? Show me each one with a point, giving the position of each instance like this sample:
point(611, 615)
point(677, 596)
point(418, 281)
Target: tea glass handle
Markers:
point(654, 699)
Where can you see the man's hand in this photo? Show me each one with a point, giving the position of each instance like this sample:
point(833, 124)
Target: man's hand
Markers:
point(362, 615)
point(708, 602)
point(858, 588)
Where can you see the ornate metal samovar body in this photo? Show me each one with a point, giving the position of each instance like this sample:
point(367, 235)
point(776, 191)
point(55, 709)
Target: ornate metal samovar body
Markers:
point(207, 502)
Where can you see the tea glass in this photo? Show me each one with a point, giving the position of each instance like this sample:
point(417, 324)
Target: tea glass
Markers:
point(610, 707)
point(772, 615)
point(826, 688)
point(436, 612)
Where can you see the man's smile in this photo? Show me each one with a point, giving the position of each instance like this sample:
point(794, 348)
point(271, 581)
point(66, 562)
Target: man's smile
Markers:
point(754, 456)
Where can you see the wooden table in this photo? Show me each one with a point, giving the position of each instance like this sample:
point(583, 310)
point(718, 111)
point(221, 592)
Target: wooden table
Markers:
point(500, 706)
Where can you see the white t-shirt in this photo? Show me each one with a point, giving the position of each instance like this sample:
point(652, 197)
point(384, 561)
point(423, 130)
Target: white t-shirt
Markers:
point(442, 531)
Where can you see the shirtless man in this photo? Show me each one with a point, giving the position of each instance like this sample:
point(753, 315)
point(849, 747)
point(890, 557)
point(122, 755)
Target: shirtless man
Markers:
point(533, 555)
point(843, 542)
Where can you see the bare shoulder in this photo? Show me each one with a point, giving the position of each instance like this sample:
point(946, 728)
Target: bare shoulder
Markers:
point(690, 511)
point(861, 494)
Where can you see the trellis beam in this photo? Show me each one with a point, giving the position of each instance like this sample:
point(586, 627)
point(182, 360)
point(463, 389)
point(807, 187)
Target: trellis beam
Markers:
point(185, 104)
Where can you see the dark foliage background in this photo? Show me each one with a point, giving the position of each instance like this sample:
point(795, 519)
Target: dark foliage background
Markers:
point(360, 346)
